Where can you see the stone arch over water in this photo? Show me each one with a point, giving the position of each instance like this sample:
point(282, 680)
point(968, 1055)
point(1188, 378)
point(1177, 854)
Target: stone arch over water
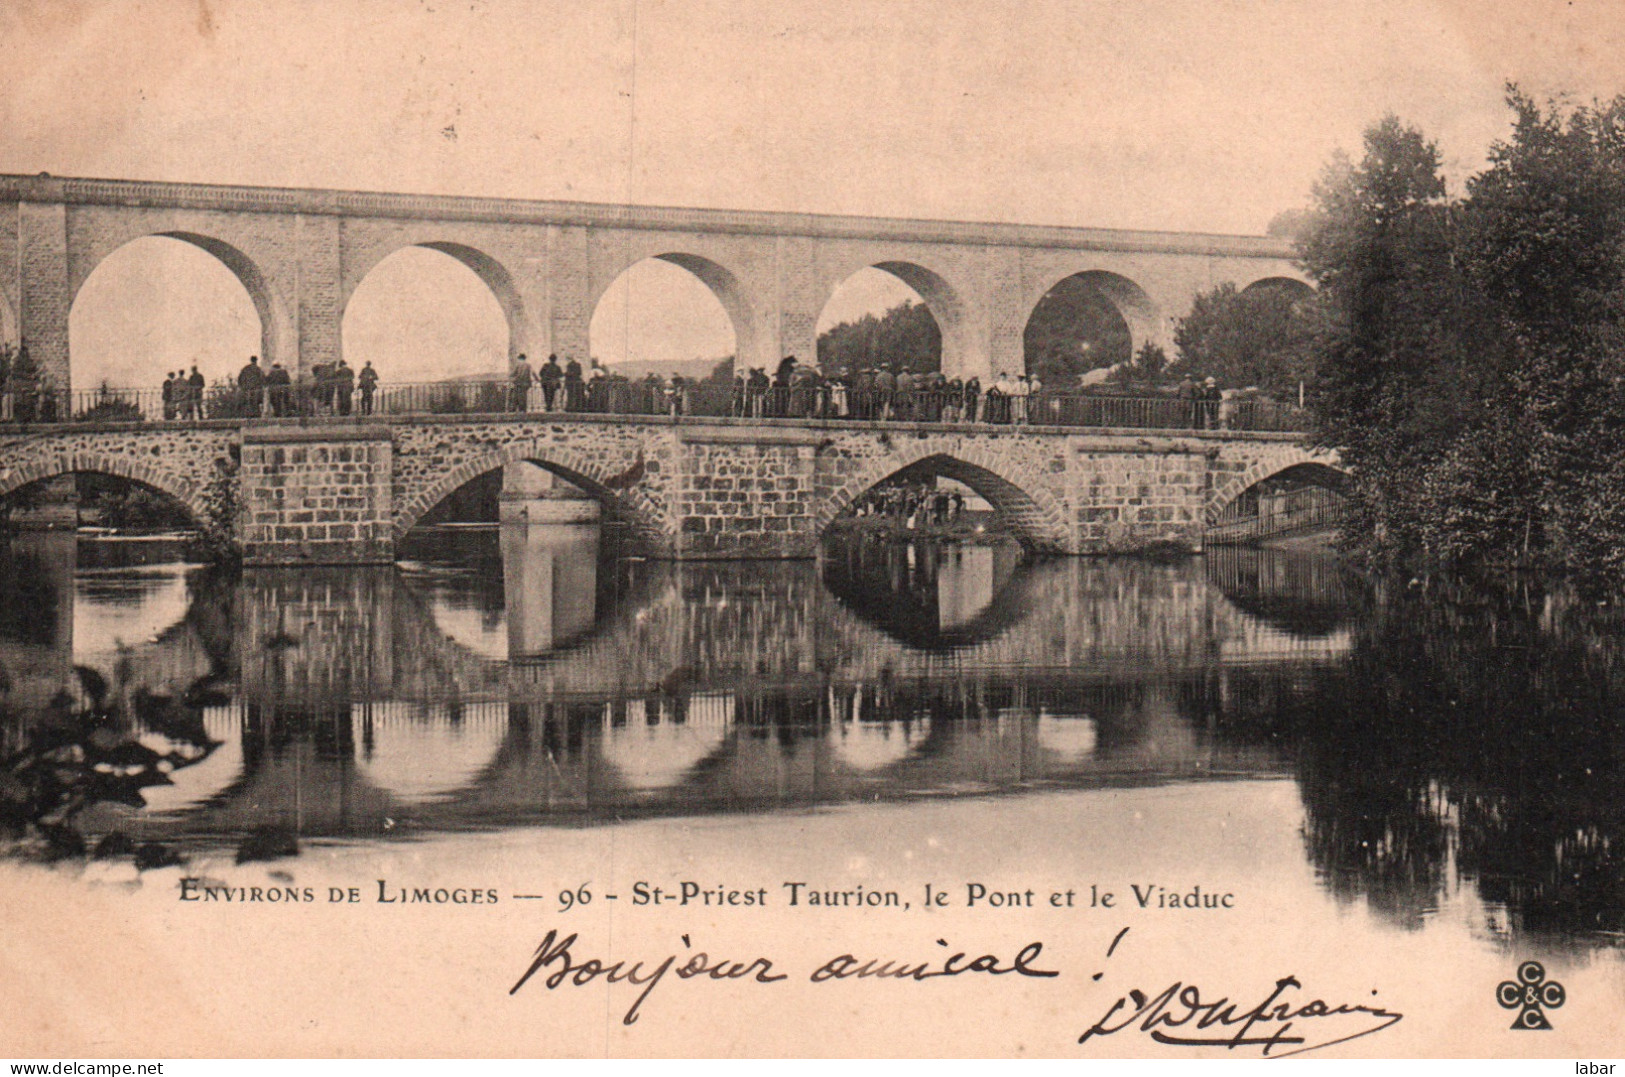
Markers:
point(51, 465)
point(999, 474)
point(1319, 467)
point(617, 492)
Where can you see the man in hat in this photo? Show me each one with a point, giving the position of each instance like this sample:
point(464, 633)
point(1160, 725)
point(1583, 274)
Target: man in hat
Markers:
point(251, 388)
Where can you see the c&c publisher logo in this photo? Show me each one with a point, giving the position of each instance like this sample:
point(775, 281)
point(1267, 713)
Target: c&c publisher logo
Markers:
point(1529, 994)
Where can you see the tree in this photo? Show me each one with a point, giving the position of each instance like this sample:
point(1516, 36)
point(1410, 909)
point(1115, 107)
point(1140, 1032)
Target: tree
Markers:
point(1399, 356)
point(1260, 336)
point(1542, 235)
point(905, 337)
point(1074, 329)
point(1471, 365)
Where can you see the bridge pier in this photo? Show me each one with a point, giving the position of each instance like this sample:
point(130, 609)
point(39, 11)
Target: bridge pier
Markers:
point(316, 495)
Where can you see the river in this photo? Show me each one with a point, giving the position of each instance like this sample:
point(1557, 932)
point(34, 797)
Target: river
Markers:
point(1428, 771)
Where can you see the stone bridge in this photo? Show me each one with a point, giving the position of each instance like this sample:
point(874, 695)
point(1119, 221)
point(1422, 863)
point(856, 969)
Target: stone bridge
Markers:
point(301, 254)
point(346, 490)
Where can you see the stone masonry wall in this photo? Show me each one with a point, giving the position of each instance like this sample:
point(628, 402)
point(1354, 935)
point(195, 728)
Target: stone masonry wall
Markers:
point(316, 495)
point(1131, 493)
point(747, 493)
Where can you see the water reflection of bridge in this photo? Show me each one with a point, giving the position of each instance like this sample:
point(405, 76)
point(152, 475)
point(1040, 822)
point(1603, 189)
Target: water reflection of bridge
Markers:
point(764, 626)
point(366, 695)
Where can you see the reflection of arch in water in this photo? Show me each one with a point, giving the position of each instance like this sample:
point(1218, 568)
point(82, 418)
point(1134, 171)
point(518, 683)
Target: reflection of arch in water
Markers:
point(861, 579)
point(1007, 482)
point(873, 746)
point(1071, 737)
point(195, 785)
point(126, 606)
point(560, 605)
point(419, 753)
point(1306, 595)
point(549, 584)
point(652, 751)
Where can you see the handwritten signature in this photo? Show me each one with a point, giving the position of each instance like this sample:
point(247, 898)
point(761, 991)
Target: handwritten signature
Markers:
point(1182, 1016)
point(557, 951)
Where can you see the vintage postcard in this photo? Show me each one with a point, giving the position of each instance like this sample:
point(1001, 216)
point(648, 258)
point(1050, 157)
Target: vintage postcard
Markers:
point(801, 529)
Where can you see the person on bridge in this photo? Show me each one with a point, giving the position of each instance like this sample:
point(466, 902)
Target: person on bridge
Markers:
point(522, 378)
point(551, 377)
point(953, 400)
point(973, 397)
point(862, 404)
point(194, 394)
point(757, 387)
point(170, 381)
point(343, 386)
point(279, 389)
point(575, 389)
point(904, 390)
point(1020, 392)
point(367, 380)
point(1192, 395)
point(251, 389)
point(885, 392)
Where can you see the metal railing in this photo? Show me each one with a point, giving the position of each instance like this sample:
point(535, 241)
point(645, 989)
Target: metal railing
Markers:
point(1302, 510)
point(615, 396)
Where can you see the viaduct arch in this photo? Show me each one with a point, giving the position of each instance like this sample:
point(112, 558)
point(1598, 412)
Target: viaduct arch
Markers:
point(491, 271)
point(300, 253)
point(276, 322)
point(49, 460)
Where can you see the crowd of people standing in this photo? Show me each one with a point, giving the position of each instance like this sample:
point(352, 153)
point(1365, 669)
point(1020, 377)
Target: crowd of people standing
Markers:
point(326, 389)
point(569, 387)
point(883, 393)
point(793, 390)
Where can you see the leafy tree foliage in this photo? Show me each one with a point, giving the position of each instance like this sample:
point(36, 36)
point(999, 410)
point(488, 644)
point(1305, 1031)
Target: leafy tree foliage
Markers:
point(1260, 336)
point(906, 337)
point(1471, 352)
point(1074, 329)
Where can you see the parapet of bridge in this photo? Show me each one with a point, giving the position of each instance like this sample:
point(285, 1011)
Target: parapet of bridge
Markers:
point(301, 254)
point(346, 491)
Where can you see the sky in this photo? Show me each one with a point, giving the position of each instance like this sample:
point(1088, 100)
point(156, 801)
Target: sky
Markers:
point(1193, 116)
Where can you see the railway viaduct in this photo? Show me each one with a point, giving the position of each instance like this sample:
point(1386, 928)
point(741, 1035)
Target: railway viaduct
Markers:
point(301, 254)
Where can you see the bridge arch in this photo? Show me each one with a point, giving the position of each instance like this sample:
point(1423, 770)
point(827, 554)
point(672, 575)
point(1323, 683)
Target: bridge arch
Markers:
point(1319, 467)
point(490, 271)
point(1008, 483)
point(51, 464)
point(945, 302)
point(647, 520)
point(278, 341)
point(728, 286)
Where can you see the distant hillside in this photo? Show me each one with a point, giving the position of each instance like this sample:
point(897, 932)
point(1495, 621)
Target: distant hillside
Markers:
point(696, 369)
